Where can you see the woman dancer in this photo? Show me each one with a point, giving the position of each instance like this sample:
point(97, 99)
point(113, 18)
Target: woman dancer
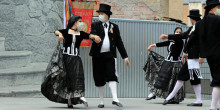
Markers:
point(69, 86)
point(163, 84)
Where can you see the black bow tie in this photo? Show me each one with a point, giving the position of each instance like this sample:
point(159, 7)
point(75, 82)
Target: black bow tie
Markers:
point(105, 25)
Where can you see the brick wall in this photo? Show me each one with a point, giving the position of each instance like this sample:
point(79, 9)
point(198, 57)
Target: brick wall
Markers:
point(139, 9)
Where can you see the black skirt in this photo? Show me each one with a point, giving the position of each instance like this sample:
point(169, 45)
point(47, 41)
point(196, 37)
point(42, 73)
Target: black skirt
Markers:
point(164, 75)
point(214, 64)
point(161, 76)
point(64, 78)
point(75, 86)
point(183, 75)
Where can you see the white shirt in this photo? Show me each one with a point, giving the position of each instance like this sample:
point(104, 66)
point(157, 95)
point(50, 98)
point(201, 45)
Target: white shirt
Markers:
point(106, 42)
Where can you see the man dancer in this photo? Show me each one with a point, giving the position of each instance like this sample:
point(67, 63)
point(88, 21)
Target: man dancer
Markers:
point(191, 69)
point(207, 32)
point(104, 54)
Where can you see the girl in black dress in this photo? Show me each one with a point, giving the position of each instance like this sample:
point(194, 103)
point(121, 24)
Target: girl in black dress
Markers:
point(163, 81)
point(69, 86)
point(72, 61)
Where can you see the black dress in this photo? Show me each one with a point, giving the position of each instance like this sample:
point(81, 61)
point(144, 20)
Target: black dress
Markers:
point(161, 73)
point(69, 84)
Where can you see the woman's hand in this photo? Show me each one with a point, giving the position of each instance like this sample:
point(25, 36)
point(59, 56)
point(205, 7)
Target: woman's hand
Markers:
point(60, 37)
point(163, 36)
point(58, 33)
point(96, 38)
point(201, 60)
point(149, 47)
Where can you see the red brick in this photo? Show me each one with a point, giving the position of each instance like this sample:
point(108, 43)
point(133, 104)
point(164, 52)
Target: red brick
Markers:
point(130, 5)
point(144, 8)
point(147, 12)
point(113, 4)
point(118, 8)
point(138, 13)
point(120, 13)
point(141, 5)
point(127, 8)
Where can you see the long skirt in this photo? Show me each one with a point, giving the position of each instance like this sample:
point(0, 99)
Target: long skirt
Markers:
point(64, 79)
point(161, 76)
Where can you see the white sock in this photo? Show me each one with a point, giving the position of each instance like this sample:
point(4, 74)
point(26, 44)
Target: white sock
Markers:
point(101, 94)
point(150, 95)
point(113, 87)
point(83, 98)
point(177, 87)
point(197, 90)
point(215, 97)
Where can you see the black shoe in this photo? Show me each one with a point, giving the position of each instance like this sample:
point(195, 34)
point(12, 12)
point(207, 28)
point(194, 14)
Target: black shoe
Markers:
point(101, 106)
point(195, 104)
point(173, 102)
point(69, 106)
point(149, 98)
point(117, 104)
point(166, 102)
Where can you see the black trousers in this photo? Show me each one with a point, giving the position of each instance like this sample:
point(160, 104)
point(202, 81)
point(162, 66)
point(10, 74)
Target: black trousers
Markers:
point(183, 75)
point(214, 65)
point(104, 70)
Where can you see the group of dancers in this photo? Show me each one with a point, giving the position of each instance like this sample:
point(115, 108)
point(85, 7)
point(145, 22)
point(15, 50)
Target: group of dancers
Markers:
point(202, 41)
point(64, 78)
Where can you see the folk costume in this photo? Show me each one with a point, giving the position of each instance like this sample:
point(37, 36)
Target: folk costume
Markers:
point(161, 72)
point(64, 78)
point(104, 55)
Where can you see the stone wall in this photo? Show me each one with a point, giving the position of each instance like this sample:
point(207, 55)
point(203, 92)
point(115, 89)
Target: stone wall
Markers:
point(29, 25)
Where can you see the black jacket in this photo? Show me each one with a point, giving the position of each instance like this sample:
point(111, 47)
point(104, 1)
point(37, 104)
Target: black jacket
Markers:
point(68, 39)
point(207, 32)
point(174, 48)
point(194, 37)
point(193, 52)
point(114, 38)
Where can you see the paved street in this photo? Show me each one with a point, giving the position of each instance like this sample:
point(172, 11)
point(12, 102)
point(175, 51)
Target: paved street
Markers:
point(129, 104)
